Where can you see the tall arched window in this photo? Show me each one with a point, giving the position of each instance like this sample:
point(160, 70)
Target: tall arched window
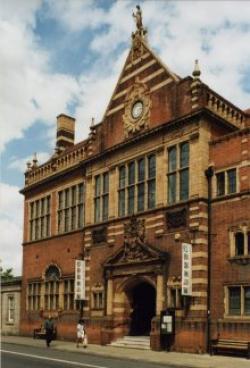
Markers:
point(239, 244)
point(51, 297)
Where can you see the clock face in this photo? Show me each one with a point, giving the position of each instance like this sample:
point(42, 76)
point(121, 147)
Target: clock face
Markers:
point(137, 109)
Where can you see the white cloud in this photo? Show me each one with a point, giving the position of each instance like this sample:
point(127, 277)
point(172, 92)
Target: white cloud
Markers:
point(96, 90)
point(20, 163)
point(29, 90)
point(11, 222)
point(77, 14)
point(217, 33)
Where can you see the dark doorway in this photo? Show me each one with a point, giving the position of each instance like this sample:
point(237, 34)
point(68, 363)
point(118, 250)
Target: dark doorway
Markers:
point(143, 304)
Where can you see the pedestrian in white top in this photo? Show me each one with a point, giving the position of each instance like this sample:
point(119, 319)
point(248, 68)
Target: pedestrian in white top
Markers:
point(79, 333)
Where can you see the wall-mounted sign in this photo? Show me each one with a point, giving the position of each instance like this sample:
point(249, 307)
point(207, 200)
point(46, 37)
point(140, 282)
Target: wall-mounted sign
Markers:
point(186, 281)
point(79, 279)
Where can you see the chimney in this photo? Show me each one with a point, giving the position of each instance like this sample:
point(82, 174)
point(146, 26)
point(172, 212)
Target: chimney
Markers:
point(65, 135)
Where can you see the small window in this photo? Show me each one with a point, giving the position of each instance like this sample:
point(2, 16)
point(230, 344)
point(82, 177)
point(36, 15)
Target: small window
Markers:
point(151, 166)
point(98, 299)
point(101, 200)
point(52, 273)
point(220, 184)
point(231, 181)
point(176, 299)
point(234, 301)
point(11, 309)
point(141, 170)
point(172, 159)
point(131, 173)
point(239, 244)
point(171, 188)
point(184, 155)
point(122, 177)
point(184, 184)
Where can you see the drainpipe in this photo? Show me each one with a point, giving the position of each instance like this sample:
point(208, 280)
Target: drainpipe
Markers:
point(209, 174)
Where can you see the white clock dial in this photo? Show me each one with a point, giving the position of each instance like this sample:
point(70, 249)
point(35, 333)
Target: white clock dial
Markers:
point(137, 109)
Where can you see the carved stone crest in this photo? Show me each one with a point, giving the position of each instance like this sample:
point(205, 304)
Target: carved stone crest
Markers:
point(138, 94)
point(134, 235)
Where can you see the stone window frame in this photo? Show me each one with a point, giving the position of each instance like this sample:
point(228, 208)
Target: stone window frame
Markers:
point(69, 294)
point(40, 218)
point(33, 296)
point(148, 180)
point(65, 208)
point(177, 171)
point(245, 230)
point(174, 298)
point(242, 314)
point(10, 309)
point(97, 298)
point(52, 293)
point(225, 172)
point(101, 197)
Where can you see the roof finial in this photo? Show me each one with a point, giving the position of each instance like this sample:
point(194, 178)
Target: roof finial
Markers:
point(35, 161)
point(138, 21)
point(196, 73)
point(28, 165)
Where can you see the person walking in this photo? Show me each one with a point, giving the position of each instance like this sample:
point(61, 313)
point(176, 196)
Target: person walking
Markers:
point(84, 336)
point(79, 333)
point(49, 329)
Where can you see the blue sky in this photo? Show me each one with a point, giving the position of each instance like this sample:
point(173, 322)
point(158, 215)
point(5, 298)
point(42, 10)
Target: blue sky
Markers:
point(65, 57)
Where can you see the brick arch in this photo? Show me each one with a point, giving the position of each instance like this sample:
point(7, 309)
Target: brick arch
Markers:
point(122, 293)
point(131, 282)
point(47, 268)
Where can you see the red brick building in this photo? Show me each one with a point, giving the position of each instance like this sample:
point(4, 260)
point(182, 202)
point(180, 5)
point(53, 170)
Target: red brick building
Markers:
point(167, 165)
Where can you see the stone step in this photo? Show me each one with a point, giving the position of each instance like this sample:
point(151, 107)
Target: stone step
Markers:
point(132, 342)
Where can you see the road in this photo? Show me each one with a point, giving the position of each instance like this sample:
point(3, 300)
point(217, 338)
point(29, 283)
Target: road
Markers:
point(19, 356)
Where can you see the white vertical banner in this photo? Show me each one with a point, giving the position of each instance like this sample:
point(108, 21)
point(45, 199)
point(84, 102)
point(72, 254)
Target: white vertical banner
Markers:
point(186, 279)
point(79, 279)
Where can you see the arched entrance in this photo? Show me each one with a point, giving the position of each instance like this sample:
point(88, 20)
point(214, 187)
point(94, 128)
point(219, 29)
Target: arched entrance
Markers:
point(142, 298)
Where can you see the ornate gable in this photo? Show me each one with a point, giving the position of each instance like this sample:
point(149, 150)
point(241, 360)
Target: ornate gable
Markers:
point(142, 74)
point(134, 249)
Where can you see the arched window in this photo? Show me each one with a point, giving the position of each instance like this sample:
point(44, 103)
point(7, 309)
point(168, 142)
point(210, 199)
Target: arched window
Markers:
point(239, 244)
point(52, 273)
point(51, 297)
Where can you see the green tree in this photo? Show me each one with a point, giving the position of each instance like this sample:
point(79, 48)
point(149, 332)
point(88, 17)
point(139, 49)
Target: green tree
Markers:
point(6, 274)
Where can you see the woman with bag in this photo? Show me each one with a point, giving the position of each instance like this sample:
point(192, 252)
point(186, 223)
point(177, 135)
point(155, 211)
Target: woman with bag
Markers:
point(84, 336)
point(79, 333)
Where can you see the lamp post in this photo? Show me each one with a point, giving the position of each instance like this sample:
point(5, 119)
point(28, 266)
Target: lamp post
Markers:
point(209, 174)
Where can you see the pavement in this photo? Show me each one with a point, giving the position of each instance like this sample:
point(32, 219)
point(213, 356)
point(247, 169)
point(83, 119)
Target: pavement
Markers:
point(171, 358)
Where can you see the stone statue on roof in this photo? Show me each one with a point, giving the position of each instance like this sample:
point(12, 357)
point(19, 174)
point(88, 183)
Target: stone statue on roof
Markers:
point(138, 18)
